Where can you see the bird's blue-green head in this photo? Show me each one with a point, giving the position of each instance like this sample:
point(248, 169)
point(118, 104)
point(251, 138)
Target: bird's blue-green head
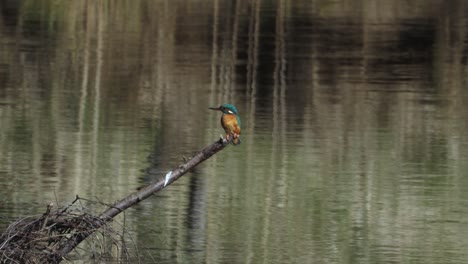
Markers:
point(226, 109)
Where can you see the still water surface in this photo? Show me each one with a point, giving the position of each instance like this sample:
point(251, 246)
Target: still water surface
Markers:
point(354, 140)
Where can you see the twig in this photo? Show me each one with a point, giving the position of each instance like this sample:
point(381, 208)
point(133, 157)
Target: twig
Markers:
point(46, 215)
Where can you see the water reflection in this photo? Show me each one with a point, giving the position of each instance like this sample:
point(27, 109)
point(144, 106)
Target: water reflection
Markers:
point(353, 113)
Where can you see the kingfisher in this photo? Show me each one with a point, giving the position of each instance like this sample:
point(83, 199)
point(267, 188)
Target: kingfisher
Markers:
point(231, 122)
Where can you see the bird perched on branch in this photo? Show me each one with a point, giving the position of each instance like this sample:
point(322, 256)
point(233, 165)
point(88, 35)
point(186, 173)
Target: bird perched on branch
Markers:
point(231, 122)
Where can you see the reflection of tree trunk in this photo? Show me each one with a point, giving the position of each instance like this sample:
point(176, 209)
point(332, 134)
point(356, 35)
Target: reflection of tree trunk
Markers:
point(279, 125)
point(252, 67)
point(224, 57)
point(233, 62)
point(214, 56)
point(252, 61)
point(282, 81)
point(82, 106)
point(97, 89)
point(196, 211)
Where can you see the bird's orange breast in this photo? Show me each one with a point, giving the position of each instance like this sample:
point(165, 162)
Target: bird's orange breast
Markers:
point(229, 123)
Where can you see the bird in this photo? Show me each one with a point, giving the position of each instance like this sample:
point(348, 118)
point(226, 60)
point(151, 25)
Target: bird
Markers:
point(230, 121)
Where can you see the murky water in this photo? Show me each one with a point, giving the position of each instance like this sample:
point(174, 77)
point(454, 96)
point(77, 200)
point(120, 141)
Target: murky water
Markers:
point(354, 124)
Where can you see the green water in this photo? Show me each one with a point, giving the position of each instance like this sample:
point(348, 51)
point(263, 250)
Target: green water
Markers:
point(354, 125)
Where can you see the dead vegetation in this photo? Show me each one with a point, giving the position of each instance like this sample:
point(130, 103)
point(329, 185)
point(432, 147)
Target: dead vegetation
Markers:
point(38, 239)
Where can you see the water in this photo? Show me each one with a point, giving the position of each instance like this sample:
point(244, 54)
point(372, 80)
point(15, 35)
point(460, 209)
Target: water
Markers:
point(354, 125)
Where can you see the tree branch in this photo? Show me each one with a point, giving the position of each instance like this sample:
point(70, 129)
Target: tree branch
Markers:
point(138, 196)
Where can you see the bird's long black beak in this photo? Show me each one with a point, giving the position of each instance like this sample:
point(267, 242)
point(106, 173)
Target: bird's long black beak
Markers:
point(215, 108)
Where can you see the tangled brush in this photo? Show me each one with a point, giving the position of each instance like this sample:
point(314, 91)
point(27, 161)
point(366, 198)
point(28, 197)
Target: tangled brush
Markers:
point(36, 239)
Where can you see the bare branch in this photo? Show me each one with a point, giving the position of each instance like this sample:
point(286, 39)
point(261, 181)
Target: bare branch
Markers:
point(138, 196)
